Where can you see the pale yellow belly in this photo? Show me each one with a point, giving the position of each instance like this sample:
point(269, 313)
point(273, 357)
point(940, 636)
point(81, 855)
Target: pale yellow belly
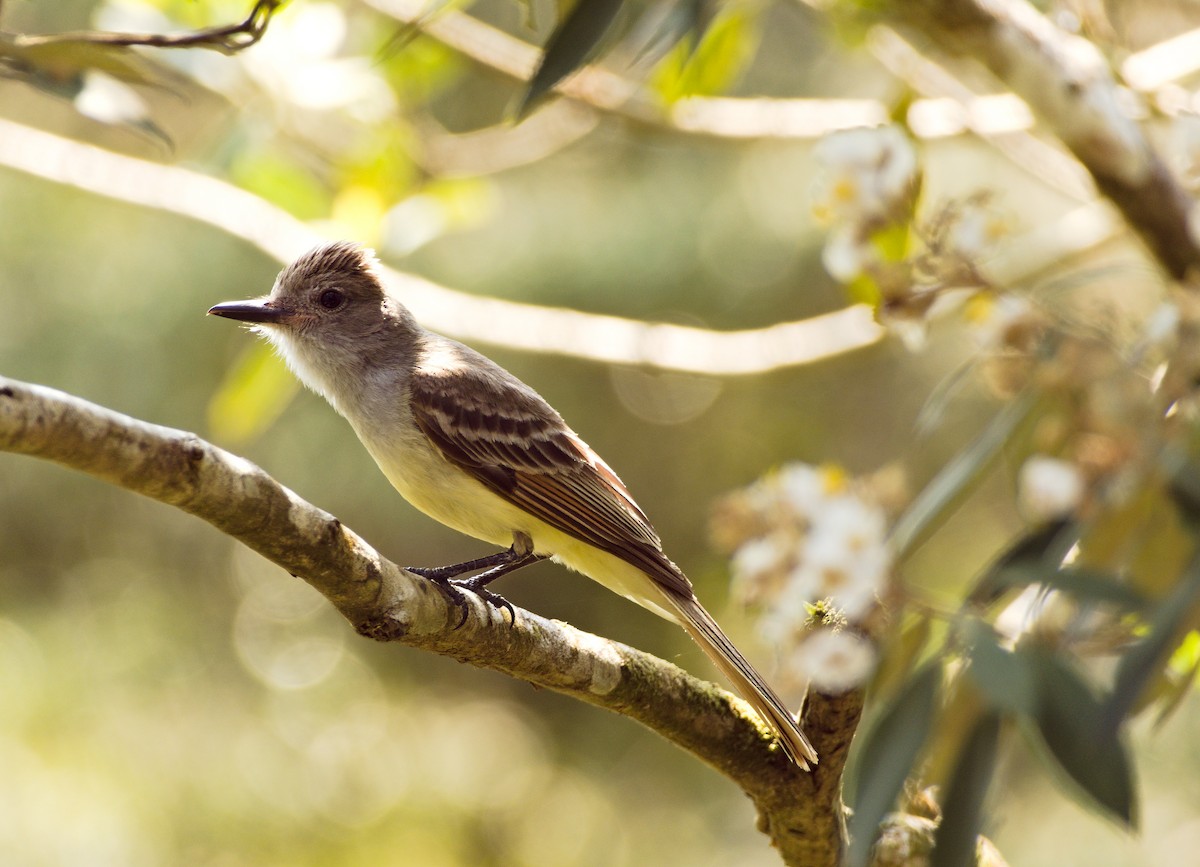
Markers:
point(451, 496)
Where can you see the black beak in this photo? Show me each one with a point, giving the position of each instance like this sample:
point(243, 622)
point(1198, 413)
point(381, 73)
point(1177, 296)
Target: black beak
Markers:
point(251, 311)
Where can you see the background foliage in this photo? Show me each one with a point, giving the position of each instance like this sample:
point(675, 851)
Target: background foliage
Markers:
point(165, 697)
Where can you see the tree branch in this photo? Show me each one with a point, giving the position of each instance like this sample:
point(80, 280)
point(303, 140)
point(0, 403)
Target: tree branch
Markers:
point(1068, 84)
point(802, 813)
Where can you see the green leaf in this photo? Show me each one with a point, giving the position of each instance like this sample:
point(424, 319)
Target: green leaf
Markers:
point(673, 21)
point(942, 495)
point(1048, 542)
point(1142, 661)
point(957, 837)
point(1085, 584)
point(714, 63)
point(569, 47)
point(255, 392)
point(1006, 678)
point(1070, 720)
point(1185, 492)
point(887, 756)
point(63, 61)
point(285, 182)
point(1181, 681)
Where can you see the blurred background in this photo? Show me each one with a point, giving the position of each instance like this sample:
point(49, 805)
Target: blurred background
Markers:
point(168, 697)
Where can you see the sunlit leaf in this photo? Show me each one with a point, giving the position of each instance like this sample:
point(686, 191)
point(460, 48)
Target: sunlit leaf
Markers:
point(957, 836)
point(864, 289)
point(1141, 662)
point(715, 62)
point(893, 242)
point(1185, 665)
point(282, 181)
point(380, 160)
point(887, 756)
point(1165, 546)
point(1070, 720)
point(572, 43)
point(256, 390)
point(942, 495)
point(1187, 656)
point(1006, 678)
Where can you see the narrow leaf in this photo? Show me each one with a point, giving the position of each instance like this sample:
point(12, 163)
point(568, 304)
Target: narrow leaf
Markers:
point(939, 498)
point(956, 841)
point(1069, 719)
point(1048, 542)
point(1140, 663)
point(569, 47)
point(668, 22)
point(1086, 585)
point(1185, 492)
point(1180, 688)
point(1006, 678)
point(887, 757)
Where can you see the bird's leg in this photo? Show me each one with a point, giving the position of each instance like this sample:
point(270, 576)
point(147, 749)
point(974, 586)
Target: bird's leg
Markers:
point(445, 573)
point(519, 555)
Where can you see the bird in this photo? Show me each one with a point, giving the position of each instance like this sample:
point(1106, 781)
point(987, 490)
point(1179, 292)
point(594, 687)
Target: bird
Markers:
point(475, 448)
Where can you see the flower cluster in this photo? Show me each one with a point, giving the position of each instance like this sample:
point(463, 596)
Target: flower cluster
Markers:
point(1099, 421)
point(870, 182)
point(867, 195)
point(809, 551)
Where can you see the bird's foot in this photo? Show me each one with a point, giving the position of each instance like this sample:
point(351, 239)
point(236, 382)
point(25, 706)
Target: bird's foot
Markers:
point(476, 586)
point(453, 591)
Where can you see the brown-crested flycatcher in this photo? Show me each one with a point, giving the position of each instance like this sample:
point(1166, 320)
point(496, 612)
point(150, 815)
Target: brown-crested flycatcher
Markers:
point(472, 446)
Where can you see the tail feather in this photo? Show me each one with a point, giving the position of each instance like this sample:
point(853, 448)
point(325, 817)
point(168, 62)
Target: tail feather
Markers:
point(700, 625)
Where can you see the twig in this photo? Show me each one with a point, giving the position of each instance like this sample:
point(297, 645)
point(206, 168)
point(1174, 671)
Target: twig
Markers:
point(801, 812)
point(228, 39)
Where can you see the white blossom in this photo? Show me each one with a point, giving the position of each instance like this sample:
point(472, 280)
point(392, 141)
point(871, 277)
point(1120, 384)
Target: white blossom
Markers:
point(1049, 488)
point(836, 660)
point(845, 254)
point(869, 172)
point(995, 316)
point(818, 541)
point(976, 229)
point(758, 557)
point(804, 487)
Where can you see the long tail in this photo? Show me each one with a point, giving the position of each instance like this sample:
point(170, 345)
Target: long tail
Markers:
point(700, 625)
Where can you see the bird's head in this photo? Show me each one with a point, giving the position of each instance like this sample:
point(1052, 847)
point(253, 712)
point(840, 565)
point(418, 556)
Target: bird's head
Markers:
point(329, 316)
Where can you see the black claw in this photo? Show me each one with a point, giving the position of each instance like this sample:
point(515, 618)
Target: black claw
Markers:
point(447, 580)
point(450, 591)
point(453, 591)
point(498, 601)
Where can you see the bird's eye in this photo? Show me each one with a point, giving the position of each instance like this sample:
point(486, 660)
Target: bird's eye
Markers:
point(331, 299)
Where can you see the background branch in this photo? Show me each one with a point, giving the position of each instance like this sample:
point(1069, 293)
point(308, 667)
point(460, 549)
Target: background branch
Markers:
point(1067, 82)
point(496, 321)
point(801, 812)
point(511, 324)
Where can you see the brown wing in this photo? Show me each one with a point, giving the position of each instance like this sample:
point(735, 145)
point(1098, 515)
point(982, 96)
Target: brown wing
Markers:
point(504, 434)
